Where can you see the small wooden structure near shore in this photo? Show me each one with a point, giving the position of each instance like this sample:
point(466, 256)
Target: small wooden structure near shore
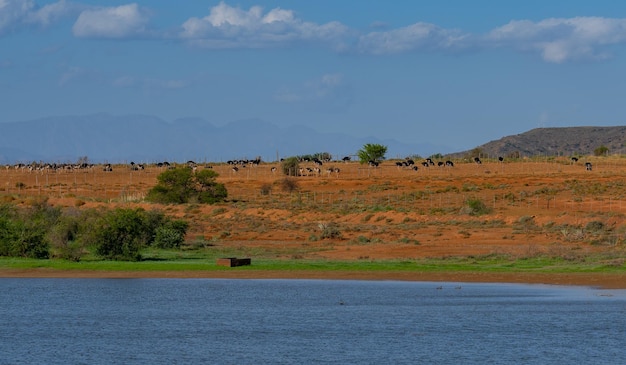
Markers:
point(233, 261)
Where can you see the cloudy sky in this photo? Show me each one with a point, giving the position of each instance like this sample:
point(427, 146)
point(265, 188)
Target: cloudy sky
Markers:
point(450, 72)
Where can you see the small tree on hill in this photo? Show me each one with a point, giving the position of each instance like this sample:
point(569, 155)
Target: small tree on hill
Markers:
point(290, 166)
point(372, 152)
point(182, 185)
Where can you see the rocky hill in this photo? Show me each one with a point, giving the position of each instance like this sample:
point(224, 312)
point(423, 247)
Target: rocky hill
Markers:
point(568, 141)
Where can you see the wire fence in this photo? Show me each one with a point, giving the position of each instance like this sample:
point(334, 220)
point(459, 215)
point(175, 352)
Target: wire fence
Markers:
point(419, 194)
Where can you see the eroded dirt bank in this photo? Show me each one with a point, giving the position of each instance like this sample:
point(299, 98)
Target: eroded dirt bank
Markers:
point(605, 281)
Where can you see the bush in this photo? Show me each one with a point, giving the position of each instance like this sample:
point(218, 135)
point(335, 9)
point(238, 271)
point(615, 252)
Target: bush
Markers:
point(595, 227)
point(329, 230)
point(475, 207)
point(63, 238)
point(601, 151)
point(290, 166)
point(171, 234)
point(289, 185)
point(266, 189)
point(23, 232)
point(41, 231)
point(182, 185)
point(121, 234)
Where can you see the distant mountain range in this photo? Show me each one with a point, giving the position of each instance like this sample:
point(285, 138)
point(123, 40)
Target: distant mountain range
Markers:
point(143, 138)
point(568, 141)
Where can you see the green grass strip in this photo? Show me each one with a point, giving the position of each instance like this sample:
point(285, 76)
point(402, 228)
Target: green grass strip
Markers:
point(487, 264)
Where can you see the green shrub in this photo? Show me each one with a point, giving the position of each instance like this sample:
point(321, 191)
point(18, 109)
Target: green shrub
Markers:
point(23, 232)
point(475, 206)
point(602, 150)
point(290, 166)
point(41, 231)
point(595, 227)
point(329, 230)
point(63, 238)
point(170, 235)
point(120, 235)
point(182, 185)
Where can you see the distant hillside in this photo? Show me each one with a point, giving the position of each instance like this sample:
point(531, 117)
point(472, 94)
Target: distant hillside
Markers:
point(567, 141)
point(142, 138)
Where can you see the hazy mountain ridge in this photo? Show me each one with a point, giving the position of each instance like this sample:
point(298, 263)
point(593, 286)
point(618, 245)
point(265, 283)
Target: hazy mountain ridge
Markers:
point(141, 138)
point(564, 141)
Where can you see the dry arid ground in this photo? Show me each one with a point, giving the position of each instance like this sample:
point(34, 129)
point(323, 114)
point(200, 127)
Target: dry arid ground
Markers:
point(523, 208)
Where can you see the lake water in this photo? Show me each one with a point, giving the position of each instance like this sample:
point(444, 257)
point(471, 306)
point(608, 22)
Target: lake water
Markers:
point(214, 321)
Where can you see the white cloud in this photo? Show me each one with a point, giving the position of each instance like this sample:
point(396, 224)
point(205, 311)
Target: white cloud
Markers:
point(112, 22)
point(415, 37)
point(52, 13)
point(556, 40)
point(230, 27)
point(561, 39)
point(15, 14)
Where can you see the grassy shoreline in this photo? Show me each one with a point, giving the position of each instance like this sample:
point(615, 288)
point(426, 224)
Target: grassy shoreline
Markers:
point(457, 264)
point(487, 270)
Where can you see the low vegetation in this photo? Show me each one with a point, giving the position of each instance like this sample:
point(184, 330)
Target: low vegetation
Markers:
point(184, 185)
point(42, 231)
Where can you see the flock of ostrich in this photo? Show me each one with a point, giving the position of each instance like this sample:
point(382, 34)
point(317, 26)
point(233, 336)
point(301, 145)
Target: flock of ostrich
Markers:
point(315, 169)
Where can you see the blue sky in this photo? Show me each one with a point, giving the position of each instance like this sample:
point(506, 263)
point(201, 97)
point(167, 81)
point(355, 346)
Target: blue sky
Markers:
point(453, 73)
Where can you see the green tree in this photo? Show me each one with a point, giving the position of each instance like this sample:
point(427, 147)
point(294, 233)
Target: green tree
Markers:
point(121, 234)
point(182, 185)
point(323, 156)
point(208, 190)
point(23, 232)
point(601, 151)
point(372, 152)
